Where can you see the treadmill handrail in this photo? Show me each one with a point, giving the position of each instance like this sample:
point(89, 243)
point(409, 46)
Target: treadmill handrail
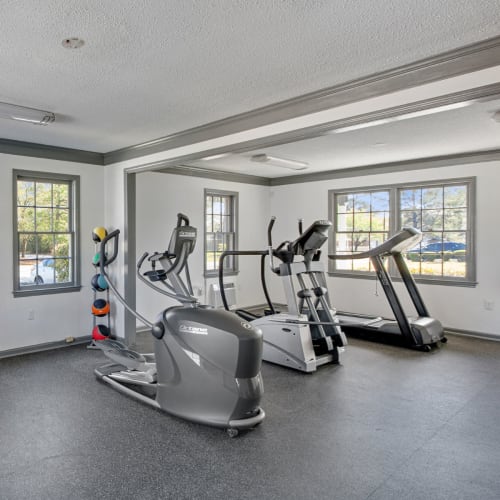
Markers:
point(405, 239)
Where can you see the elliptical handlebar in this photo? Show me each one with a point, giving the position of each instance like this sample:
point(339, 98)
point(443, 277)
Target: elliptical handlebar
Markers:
point(269, 231)
point(103, 259)
point(262, 253)
point(177, 296)
point(270, 250)
point(141, 260)
point(182, 218)
point(301, 229)
point(103, 262)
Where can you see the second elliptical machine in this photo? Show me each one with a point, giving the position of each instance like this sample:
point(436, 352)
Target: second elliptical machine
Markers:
point(206, 365)
point(306, 335)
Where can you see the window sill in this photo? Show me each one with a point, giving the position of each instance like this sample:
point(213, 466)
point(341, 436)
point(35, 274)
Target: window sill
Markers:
point(211, 274)
point(46, 291)
point(418, 280)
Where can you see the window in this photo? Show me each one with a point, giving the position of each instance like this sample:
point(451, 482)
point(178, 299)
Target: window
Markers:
point(45, 233)
point(362, 222)
point(220, 230)
point(442, 211)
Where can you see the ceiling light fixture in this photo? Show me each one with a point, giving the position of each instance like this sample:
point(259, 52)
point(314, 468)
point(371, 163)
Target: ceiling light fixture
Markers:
point(214, 157)
point(23, 114)
point(280, 162)
point(404, 116)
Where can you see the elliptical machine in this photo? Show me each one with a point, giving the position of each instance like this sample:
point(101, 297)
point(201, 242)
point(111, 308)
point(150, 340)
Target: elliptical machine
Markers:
point(206, 365)
point(308, 334)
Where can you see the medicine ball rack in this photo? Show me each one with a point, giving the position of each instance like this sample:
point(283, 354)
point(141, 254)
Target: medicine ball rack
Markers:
point(97, 235)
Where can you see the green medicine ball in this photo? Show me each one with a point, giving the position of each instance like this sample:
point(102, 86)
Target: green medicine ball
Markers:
point(97, 259)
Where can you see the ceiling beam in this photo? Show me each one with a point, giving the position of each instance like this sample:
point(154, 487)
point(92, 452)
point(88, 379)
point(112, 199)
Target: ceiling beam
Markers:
point(457, 62)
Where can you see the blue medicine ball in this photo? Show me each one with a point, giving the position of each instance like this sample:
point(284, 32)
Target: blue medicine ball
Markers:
point(99, 283)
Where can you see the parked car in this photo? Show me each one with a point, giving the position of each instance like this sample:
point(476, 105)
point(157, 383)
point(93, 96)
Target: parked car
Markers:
point(446, 250)
point(45, 273)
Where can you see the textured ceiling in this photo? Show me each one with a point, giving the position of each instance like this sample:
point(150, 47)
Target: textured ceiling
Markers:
point(150, 68)
point(471, 128)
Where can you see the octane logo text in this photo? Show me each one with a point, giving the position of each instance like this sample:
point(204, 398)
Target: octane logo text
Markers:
point(193, 329)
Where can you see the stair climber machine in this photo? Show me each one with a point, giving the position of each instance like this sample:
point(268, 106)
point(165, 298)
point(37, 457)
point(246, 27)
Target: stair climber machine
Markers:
point(308, 334)
point(206, 365)
point(422, 332)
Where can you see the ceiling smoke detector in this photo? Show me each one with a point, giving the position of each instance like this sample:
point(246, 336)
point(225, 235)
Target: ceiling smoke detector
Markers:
point(72, 43)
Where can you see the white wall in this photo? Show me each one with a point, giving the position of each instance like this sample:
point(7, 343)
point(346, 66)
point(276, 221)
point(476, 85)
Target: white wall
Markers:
point(60, 315)
point(161, 196)
point(102, 198)
point(311, 201)
point(456, 307)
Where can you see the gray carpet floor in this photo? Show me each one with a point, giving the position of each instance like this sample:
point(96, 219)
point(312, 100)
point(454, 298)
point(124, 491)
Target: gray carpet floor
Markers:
point(388, 423)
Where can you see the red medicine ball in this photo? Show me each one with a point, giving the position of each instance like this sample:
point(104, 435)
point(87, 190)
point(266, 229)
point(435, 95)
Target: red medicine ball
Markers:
point(100, 332)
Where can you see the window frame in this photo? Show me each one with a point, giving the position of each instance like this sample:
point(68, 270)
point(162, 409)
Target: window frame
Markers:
point(74, 218)
point(394, 226)
point(389, 231)
point(210, 273)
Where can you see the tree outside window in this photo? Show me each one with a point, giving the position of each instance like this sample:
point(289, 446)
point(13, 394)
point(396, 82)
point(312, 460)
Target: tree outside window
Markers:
point(440, 210)
point(361, 223)
point(45, 231)
point(220, 229)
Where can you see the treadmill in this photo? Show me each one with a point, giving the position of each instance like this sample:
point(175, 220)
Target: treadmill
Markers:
point(422, 332)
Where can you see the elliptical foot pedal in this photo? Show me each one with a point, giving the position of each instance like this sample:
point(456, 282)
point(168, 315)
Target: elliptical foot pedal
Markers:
point(323, 345)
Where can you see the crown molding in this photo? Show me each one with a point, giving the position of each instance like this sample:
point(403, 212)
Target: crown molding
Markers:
point(34, 150)
point(398, 166)
point(172, 167)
